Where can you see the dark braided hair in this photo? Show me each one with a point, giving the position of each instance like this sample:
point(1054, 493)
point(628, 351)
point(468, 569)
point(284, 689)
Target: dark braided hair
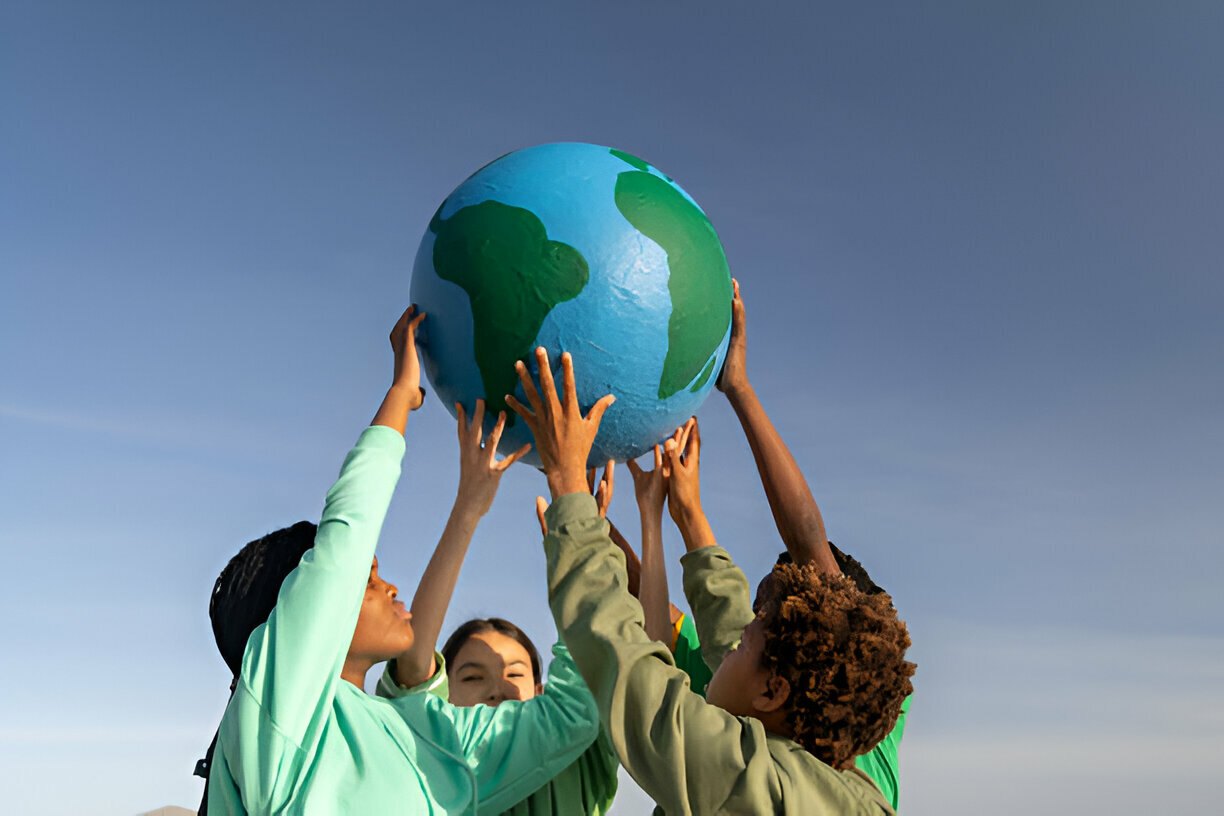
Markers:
point(842, 650)
point(243, 598)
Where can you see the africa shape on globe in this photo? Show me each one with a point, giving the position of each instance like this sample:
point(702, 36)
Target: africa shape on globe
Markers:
point(580, 248)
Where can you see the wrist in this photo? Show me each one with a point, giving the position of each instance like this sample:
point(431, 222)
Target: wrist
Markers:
point(738, 390)
point(412, 393)
point(465, 512)
point(697, 534)
point(563, 482)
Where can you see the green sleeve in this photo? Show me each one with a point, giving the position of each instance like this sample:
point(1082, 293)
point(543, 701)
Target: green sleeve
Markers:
point(438, 685)
point(292, 663)
point(516, 747)
point(689, 756)
point(880, 763)
point(586, 786)
point(687, 653)
point(717, 592)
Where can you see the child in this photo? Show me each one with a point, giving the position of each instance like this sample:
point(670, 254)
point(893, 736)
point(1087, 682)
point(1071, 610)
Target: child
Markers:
point(490, 661)
point(797, 518)
point(299, 734)
point(817, 677)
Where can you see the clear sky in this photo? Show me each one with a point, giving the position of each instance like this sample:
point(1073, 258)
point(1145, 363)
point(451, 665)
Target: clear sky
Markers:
point(980, 248)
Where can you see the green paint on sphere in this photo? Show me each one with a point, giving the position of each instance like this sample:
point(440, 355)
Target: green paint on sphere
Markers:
point(698, 278)
point(630, 159)
point(705, 376)
point(513, 275)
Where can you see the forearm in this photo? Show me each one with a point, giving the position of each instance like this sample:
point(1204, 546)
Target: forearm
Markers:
point(309, 630)
point(694, 528)
point(688, 756)
point(400, 401)
point(653, 595)
point(795, 512)
point(433, 595)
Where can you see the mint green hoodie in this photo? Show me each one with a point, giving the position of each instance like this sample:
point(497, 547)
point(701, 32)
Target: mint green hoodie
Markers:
point(297, 739)
point(585, 788)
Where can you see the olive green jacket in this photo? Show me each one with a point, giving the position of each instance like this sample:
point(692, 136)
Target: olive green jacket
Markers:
point(689, 756)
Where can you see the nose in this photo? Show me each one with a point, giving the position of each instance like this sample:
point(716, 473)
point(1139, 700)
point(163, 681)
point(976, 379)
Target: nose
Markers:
point(509, 691)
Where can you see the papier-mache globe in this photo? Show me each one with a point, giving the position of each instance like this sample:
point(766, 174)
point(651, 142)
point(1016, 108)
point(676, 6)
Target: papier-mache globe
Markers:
point(580, 248)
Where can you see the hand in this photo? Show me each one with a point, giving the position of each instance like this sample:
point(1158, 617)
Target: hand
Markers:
point(681, 469)
point(479, 471)
point(563, 436)
point(650, 486)
point(734, 374)
point(407, 374)
point(602, 493)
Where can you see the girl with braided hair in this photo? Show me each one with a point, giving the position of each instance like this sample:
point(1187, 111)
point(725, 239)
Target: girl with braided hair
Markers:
point(303, 615)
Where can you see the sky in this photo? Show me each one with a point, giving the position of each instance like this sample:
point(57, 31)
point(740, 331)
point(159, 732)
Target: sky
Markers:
point(979, 245)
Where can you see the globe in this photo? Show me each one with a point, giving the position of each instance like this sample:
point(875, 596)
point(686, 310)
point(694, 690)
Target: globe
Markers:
point(583, 249)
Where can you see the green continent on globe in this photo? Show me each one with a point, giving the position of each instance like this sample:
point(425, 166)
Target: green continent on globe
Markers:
point(513, 275)
point(698, 279)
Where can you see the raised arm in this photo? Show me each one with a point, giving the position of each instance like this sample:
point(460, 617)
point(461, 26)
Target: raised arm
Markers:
point(795, 511)
point(516, 747)
point(479, 476)
point(718, 597)
point(690, 757)
point(650, 488)
point(293, 661)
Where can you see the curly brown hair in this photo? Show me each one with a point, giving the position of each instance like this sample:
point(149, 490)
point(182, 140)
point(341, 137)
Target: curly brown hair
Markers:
point(843, 653)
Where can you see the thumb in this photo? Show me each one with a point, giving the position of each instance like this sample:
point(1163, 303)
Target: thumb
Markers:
point(541, 508)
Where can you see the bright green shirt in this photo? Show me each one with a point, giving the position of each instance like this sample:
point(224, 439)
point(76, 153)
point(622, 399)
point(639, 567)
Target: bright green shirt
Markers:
point(687, 651)
point(585, 788)
point(724, 620)
point(297, 739)
point(689, 756)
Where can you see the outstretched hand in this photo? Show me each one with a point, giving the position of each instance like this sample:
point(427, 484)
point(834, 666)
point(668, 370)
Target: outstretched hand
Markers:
point(405, 394)
point(407, 373)
point(480, 471)
point(681, 468)
point(650, 486)
point(563, 436)
point(734, 374)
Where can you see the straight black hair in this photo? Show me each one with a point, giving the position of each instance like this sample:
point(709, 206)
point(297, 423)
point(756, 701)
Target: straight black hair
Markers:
point(477, 626)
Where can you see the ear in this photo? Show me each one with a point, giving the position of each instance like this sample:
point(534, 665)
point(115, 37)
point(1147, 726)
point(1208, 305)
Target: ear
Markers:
point(539, 689)
point(774, 696)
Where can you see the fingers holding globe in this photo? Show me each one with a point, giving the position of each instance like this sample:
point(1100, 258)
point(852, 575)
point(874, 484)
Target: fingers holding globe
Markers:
point(583, 249)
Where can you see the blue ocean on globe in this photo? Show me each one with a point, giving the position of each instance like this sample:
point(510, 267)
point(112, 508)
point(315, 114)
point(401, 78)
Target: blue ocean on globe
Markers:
point(580, 248)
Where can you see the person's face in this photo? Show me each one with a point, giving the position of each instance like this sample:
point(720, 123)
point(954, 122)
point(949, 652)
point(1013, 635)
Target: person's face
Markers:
point(489, 668)
point(384, 626)
point(741, 682)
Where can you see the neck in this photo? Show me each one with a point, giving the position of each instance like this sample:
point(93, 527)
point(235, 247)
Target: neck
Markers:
point(775, 723)
point(355, 670)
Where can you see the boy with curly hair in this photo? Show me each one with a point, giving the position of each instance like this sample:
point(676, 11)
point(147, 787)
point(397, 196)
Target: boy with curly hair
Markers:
point(816, 677)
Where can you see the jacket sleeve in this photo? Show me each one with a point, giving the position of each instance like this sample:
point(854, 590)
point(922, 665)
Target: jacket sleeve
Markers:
point(689, 756)
point(438, 685)
point(717, 592)
point(516, 747)
point(292, 663)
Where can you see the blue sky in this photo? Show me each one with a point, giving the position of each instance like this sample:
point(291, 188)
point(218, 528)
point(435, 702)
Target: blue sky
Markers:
point(980, 247)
